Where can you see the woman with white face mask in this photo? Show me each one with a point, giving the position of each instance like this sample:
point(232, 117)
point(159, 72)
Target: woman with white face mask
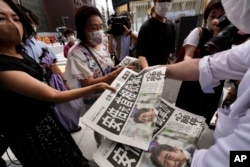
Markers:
point(89, 61)
point(29, 127)
point(69, 34)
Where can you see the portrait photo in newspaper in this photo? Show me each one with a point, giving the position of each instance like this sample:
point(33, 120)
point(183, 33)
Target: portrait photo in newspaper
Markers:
point(112, 115)
point(175, 136)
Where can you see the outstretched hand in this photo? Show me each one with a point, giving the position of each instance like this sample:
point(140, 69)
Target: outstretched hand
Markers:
point(99, 87)
point(147, 69)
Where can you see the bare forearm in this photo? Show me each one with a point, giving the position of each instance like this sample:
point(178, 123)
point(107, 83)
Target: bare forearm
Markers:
point(68, 95)
point(185, 70)
point(108, 78)
point(143, 61)
point(110, 44)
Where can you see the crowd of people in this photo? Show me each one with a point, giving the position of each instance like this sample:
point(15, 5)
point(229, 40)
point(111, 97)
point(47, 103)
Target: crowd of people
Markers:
point(191, 97)
point(33, 132)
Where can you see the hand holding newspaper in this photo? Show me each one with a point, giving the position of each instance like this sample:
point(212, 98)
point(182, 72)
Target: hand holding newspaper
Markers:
point(176, 134)
point(139, 126)
point(113, 113)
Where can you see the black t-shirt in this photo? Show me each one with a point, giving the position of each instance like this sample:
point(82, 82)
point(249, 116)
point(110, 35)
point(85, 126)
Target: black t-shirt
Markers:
point(19, 112)
point(156, 40)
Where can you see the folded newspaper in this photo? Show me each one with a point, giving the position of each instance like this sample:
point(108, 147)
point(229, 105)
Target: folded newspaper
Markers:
point(132, 61)
point(117, 115)
point(173, 142)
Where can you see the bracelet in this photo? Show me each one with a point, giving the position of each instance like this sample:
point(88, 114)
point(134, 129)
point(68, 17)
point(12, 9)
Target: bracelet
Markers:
point(130, 32)
point(64, 81)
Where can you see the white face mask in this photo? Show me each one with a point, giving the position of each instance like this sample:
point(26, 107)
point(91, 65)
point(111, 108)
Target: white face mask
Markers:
point(238, 12)
point(71, 38)
point(161, 8)
point(95, 37)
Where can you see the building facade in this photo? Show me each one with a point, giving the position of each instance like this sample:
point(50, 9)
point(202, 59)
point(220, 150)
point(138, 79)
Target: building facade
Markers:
point(59, 13)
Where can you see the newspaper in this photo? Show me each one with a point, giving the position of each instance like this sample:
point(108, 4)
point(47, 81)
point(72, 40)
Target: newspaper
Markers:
point(132, 61)
point(175, 128)
point(114, 113)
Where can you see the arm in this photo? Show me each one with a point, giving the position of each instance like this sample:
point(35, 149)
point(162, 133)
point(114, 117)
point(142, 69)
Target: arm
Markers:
point(22, 83)
point(111, 39)
point(132, 34)
point(142, 46)
point(191, 42)
point(107, 78)
point(185, 70)
point(229, 64)
point(111, 47)
point(189, 52)
point(55, 69)
point(143, 61)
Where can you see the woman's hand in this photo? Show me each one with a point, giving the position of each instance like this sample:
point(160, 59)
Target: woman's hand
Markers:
point(99, 87)
point(116, 71)
point(54, 69)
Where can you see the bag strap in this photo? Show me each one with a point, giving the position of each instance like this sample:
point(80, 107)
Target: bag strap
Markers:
point(92, 54)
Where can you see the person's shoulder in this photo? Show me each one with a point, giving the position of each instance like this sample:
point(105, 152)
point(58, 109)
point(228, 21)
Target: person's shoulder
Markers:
point(37, 42)
point(168, 21)
point(148, 22)
point(77, 50)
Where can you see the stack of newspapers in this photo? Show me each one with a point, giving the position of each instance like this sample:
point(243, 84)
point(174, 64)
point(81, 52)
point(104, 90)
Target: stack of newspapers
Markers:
point(135, 120)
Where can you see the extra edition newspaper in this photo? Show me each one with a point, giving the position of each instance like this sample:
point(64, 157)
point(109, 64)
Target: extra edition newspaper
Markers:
point(140, 127)
point(115, 115)
point(176, 132)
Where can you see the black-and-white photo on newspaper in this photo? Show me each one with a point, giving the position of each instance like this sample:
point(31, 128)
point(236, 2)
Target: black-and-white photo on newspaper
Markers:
point(128, 116)
point(132, 61)
point(173, 143)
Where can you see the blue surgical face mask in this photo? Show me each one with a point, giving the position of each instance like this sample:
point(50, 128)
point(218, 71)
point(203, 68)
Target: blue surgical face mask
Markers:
point(161, 8)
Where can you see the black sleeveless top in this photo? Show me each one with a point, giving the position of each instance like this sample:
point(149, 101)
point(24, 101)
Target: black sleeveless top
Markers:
point(20, 112)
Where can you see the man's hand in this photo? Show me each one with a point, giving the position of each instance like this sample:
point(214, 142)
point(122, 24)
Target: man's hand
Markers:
point(126, 30)
point(147, 69)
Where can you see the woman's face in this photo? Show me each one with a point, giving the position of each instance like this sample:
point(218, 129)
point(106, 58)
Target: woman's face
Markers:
point(94, 24)
point(11, 29)
point(214, 14)
point(92, 31)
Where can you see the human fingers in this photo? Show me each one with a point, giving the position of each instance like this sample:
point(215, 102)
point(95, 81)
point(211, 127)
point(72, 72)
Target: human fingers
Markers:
point(102, 86)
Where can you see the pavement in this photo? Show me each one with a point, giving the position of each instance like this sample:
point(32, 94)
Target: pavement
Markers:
point(85, 138)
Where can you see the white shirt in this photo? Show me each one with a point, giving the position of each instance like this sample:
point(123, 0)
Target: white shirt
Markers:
point(233, 125)
point(193, 38)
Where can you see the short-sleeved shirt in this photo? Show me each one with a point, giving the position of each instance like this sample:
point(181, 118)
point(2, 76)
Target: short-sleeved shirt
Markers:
point(81, 65)
point(121, 44)
point(156, 40)
point(34, 49)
